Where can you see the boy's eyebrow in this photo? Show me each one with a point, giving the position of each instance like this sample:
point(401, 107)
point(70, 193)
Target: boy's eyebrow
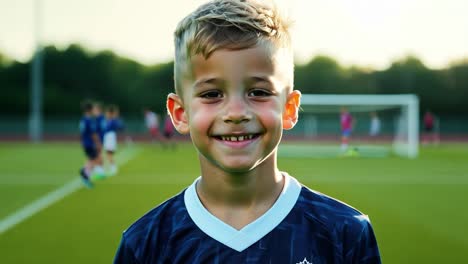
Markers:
point(266, 80)
point(205, 81)
point(213, 80)
point(260, 79)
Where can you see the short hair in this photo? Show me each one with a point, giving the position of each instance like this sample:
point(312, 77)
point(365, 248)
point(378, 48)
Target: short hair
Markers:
point(229, 24)
point(86, 105)
point(112, 108)
point(97, 104)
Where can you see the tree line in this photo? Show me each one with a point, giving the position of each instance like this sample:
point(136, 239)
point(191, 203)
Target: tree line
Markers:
point(74, 73)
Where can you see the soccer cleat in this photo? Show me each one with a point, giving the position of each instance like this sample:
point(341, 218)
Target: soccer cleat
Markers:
point(85, 178)
point(98, 176)
point(353, 152)
point(98, 173)
point(350, 152)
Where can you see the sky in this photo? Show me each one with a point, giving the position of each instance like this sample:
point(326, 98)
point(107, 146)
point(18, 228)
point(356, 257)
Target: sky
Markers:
point(366, 33)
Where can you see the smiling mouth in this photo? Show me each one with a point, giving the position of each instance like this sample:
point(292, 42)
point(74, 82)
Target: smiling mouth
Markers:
point(237, 137)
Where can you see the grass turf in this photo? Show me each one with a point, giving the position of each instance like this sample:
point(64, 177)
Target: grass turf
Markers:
point(417, 207)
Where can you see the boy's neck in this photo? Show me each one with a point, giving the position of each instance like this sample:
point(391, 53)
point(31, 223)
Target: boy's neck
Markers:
point(239, 199)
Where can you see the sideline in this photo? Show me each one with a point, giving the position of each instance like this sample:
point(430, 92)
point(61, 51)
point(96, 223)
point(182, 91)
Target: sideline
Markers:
point(54, 196)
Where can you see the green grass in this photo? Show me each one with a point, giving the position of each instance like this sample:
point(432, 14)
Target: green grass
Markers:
point(418, 207)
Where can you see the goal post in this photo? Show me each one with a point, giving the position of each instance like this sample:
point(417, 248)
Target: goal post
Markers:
point(405, 141)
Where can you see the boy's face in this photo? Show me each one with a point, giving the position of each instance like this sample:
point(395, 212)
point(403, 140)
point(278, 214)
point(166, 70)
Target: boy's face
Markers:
point(97, 110)
point(235, 107)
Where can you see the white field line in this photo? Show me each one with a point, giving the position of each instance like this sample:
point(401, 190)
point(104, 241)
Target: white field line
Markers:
point(54, 196)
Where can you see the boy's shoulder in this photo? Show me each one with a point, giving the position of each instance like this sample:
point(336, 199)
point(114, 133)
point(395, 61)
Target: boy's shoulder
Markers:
point(164, 215)
point(331, 213)
point(345, 227)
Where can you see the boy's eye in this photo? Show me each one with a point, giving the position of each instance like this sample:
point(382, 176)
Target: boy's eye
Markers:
point(211, 94)
point(259, 92)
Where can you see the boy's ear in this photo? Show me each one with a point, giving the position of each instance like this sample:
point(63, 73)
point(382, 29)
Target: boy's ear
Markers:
point(176, 110)
point(291, 109)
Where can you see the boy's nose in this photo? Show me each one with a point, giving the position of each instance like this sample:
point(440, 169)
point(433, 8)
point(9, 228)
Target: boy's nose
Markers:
point(236, 111)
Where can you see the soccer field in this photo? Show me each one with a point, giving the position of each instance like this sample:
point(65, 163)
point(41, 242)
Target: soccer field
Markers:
point(419, 208)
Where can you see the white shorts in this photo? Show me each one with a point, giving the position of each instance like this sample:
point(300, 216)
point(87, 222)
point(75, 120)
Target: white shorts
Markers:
point(110, 141)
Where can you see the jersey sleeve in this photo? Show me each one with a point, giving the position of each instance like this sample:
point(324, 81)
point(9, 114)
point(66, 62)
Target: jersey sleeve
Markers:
point(124, 254)
point(84, 126)
point(365, 249)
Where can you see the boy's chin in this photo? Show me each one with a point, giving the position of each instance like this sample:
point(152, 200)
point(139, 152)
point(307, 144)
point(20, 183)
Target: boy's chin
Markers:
point(237, 171)
point(238, 168)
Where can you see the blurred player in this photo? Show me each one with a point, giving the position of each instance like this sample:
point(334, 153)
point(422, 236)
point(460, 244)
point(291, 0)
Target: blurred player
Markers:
point(100, 122)
point(234, 95)
point(89, 141)
point(374, 128)
point(152, 124)
point(113, 125)
point(431, 135)
point(169, 132)
point(346, 121)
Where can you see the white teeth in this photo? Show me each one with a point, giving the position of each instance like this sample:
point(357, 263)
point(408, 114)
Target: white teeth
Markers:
point(236, 138)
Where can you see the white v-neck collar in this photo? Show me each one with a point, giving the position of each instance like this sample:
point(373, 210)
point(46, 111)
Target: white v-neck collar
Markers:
point(251, 233)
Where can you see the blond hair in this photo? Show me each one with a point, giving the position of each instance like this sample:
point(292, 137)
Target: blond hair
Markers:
point(228, 24)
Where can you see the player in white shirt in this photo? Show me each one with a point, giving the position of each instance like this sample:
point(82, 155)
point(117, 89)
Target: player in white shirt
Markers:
point(152, 123)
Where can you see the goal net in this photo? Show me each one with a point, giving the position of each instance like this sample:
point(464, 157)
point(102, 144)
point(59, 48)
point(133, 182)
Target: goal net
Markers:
point(382, 125)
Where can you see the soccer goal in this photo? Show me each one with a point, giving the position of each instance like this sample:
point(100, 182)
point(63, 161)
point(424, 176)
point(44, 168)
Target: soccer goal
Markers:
point(382, 125)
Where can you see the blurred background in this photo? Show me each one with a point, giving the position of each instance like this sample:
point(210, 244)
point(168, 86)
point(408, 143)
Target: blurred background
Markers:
point(121, 52)
point(56, 53)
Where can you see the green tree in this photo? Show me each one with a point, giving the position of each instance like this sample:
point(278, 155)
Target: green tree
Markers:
point(321, 75)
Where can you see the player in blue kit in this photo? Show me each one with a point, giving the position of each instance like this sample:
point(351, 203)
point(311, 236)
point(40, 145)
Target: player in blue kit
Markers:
point(100, 119)
point(234, 96)
point(113, 125)
point(89, 141)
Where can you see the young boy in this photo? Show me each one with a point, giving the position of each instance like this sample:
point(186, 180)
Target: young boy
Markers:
point(374, 127)
point(346, 122)
point(168, 132)
point(100, 124)
point(234, 96)
point(89, 141)
point(152, 124)
point(430, 134)
point(113, 125)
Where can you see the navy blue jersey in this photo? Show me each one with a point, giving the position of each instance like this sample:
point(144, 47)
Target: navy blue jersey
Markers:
point(100, 126)
point(113, 125)
point(87, 129)
point(303, 226)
